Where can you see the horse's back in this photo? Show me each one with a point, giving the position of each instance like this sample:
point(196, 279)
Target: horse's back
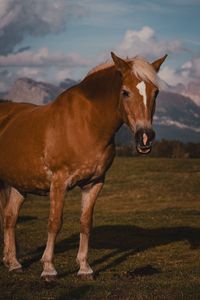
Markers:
point(9, 110)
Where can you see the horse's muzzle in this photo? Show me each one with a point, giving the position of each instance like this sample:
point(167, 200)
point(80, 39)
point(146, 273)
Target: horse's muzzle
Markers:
point(144, 139)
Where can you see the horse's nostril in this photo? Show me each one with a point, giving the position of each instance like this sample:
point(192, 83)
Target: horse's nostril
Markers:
point(145, 139)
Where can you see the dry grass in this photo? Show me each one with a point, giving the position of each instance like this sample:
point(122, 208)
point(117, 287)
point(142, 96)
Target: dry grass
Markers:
point(145, 242)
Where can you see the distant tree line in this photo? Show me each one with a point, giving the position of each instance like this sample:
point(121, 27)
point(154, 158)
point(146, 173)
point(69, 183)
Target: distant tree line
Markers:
point(3, 101)
point(165, 148)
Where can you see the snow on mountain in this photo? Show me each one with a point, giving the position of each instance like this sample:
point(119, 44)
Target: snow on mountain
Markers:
point(190, 90)
point(177, 110)
point(29, 90)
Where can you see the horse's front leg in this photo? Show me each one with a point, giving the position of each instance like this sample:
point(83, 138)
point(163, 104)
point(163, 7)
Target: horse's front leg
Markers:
point(57, 193)
point(89, 196)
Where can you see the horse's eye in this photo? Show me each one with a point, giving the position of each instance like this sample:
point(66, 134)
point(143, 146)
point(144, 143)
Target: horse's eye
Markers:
point(125, 93)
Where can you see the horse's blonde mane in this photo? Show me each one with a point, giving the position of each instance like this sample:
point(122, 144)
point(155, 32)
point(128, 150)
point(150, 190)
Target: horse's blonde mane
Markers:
point(105, 65)
point(141, 68)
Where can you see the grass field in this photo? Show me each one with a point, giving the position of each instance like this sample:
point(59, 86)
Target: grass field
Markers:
point(145, 242)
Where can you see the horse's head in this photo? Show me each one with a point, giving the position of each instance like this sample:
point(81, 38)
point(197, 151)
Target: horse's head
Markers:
point(137, 101)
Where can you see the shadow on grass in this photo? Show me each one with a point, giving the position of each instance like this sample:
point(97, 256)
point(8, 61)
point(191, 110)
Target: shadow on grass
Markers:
point(127, 237)
point(77, 293)
point(127, 240)
point(123, 241)
point(27, 218)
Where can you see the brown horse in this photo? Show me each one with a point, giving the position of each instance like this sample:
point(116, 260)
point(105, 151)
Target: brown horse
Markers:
point(70, 142)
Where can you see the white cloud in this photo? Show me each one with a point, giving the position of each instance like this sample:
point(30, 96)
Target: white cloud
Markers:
point(6, 79)
point(145, 42)
point(42, 58)
point(3, 87)
point(171, 76)
point(192, 67)
point(20, 18)
point(188, 72)
point(62, 75)
point(42, 65)
point(34, 73)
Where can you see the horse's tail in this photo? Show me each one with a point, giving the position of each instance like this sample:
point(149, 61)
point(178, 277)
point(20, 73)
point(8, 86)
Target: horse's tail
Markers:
point(4, 195)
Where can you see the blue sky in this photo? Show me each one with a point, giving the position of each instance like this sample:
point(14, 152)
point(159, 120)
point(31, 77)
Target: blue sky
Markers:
point(52, 40)
point(103, 24)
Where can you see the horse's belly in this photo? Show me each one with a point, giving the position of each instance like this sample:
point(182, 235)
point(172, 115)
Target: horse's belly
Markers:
point(28, 182)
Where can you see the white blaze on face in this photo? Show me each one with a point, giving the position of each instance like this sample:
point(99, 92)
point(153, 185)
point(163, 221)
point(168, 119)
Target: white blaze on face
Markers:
point(141, 86)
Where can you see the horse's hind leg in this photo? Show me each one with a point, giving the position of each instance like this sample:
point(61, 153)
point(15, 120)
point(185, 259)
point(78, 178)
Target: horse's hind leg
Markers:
point(89, 196)
point(10, 218)
point(4, 196)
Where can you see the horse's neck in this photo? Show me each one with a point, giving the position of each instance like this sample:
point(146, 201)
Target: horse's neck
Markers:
point(102, 86)
point(95, 102)
point(102, 90)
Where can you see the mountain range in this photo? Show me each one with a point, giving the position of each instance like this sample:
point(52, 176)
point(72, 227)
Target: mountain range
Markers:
point(177, 116)
point(29, 90)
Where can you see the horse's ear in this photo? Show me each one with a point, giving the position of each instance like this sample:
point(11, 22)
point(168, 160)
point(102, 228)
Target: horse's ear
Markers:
point(120, 64)
point(157, 63)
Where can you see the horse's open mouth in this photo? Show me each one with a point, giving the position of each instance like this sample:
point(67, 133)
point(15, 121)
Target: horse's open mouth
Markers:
point(143, 150)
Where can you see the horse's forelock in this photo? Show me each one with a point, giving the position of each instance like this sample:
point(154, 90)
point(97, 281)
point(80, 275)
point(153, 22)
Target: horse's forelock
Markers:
point(143, 70)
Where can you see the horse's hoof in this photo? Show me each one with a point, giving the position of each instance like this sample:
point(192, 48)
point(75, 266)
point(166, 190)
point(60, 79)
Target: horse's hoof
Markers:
point(88, 277)
point(49, 278)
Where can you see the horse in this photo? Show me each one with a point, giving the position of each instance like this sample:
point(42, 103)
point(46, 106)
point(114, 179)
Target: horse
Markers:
point(52, 148)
